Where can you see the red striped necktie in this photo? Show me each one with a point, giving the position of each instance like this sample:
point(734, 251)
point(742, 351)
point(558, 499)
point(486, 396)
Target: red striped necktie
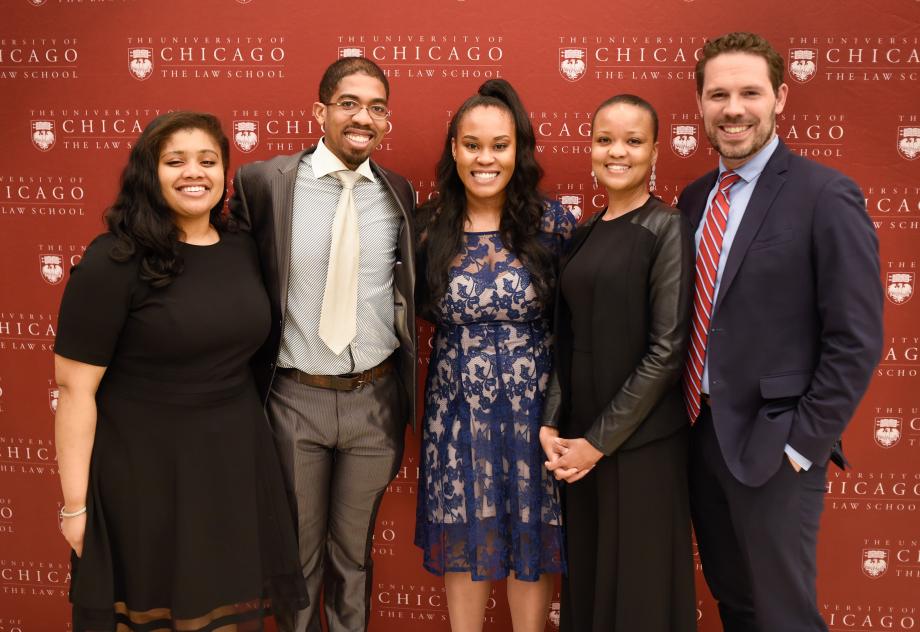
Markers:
point(707, 266)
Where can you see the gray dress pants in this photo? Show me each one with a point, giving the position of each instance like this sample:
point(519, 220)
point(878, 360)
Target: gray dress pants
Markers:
point(339, 451)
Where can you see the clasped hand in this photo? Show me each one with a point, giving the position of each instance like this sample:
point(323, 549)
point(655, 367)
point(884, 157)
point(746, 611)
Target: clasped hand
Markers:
point(569, 460)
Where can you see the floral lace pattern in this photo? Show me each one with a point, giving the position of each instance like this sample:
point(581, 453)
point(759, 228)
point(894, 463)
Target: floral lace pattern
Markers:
point(486, 503)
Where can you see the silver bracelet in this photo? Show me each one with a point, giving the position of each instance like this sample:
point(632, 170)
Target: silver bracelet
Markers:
point(71, 514)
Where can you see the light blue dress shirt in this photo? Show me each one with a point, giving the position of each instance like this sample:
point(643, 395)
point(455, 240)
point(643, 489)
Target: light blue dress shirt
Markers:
point(739, 196)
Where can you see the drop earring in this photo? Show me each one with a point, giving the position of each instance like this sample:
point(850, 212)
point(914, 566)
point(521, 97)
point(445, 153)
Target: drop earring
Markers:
point(594, 177)
point(651, 180)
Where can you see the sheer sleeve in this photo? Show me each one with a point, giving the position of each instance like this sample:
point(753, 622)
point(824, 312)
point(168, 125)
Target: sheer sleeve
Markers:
point(559, 225)
point(95, 305)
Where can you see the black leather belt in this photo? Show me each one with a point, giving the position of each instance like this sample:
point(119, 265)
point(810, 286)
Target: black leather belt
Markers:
point(344, 382)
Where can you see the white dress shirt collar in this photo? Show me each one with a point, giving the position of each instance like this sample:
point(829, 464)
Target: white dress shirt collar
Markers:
point(325, 162)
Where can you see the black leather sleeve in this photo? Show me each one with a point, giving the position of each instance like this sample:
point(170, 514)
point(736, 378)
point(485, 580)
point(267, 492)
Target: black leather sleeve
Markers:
point(662, 364)
point(552, 401)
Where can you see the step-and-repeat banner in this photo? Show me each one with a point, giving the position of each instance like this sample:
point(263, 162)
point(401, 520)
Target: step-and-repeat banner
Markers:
point(79, 79)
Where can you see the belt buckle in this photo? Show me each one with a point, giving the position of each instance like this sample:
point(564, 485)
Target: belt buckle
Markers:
point(357, 380)
point(365, 377)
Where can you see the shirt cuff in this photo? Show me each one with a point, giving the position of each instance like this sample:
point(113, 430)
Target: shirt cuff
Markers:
point(798, 458)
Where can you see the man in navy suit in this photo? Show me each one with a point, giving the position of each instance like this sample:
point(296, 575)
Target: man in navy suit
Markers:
point(787, 329)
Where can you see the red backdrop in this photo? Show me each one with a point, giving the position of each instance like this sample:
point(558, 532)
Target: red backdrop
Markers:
point(80, 78)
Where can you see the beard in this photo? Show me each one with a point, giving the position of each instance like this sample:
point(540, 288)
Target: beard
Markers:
point(762, 135)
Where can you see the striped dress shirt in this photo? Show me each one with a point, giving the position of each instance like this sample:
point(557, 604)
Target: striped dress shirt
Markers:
point(316, 195)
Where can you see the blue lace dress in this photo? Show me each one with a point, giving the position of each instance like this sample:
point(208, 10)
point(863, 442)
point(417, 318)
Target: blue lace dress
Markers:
point(486, 504)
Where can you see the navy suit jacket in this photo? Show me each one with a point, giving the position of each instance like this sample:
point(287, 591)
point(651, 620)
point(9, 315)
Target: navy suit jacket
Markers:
point(797, 327)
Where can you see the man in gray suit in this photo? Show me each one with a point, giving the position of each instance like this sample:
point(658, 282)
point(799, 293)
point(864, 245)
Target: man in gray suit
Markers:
point(337, 374)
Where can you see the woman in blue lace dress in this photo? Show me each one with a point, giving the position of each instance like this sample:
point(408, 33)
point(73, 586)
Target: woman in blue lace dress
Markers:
point(487, 508)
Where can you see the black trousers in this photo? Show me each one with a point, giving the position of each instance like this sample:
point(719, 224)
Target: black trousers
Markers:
point(758, 545)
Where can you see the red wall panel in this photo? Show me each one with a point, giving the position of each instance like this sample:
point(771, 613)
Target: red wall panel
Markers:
point(80, 78)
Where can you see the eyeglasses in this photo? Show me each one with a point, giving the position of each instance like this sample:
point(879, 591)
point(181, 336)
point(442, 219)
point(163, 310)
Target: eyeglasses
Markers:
point(351, 107)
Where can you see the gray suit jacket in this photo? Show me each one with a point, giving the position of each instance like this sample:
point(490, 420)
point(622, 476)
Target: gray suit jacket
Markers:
point(263, 204)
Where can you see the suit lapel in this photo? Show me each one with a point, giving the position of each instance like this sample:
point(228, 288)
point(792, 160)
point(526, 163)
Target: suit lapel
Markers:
point(282, 192)
point(768, 185)
point(404, 240)
point(698, 207)
point(404, 284)
point(404, 274)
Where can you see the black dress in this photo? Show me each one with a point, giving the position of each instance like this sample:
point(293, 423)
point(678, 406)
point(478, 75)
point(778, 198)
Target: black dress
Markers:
point(621, 336)
point(188, 523)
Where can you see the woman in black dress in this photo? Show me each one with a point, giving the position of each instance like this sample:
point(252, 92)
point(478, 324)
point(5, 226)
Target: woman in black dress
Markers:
point(615, 425)
point(174, 503)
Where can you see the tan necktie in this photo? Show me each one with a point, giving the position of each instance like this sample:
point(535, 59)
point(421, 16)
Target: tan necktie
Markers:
point(338, 320)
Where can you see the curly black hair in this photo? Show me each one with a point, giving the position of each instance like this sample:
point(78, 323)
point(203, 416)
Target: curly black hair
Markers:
point(140, 218)
point(441, 219)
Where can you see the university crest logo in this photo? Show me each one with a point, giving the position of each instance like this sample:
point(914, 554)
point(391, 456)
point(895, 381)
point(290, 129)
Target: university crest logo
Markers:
point(909, 142)
point(554, 612)
point(803, 64)
point(43, 136)
point(140, 63)
point(572, 202)
point(887, 431)
point(52, 268)
point(899, 287)
point(685, 139)
point(572, 64)
point(351, 51)
point(246, 135)
point(874, 562)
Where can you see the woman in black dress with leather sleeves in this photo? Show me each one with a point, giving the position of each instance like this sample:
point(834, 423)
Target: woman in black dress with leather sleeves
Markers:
point(615, 428)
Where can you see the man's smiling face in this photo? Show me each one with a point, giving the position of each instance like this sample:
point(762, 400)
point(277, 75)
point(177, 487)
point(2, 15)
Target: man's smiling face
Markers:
point(739, 106)
point(352, 138)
